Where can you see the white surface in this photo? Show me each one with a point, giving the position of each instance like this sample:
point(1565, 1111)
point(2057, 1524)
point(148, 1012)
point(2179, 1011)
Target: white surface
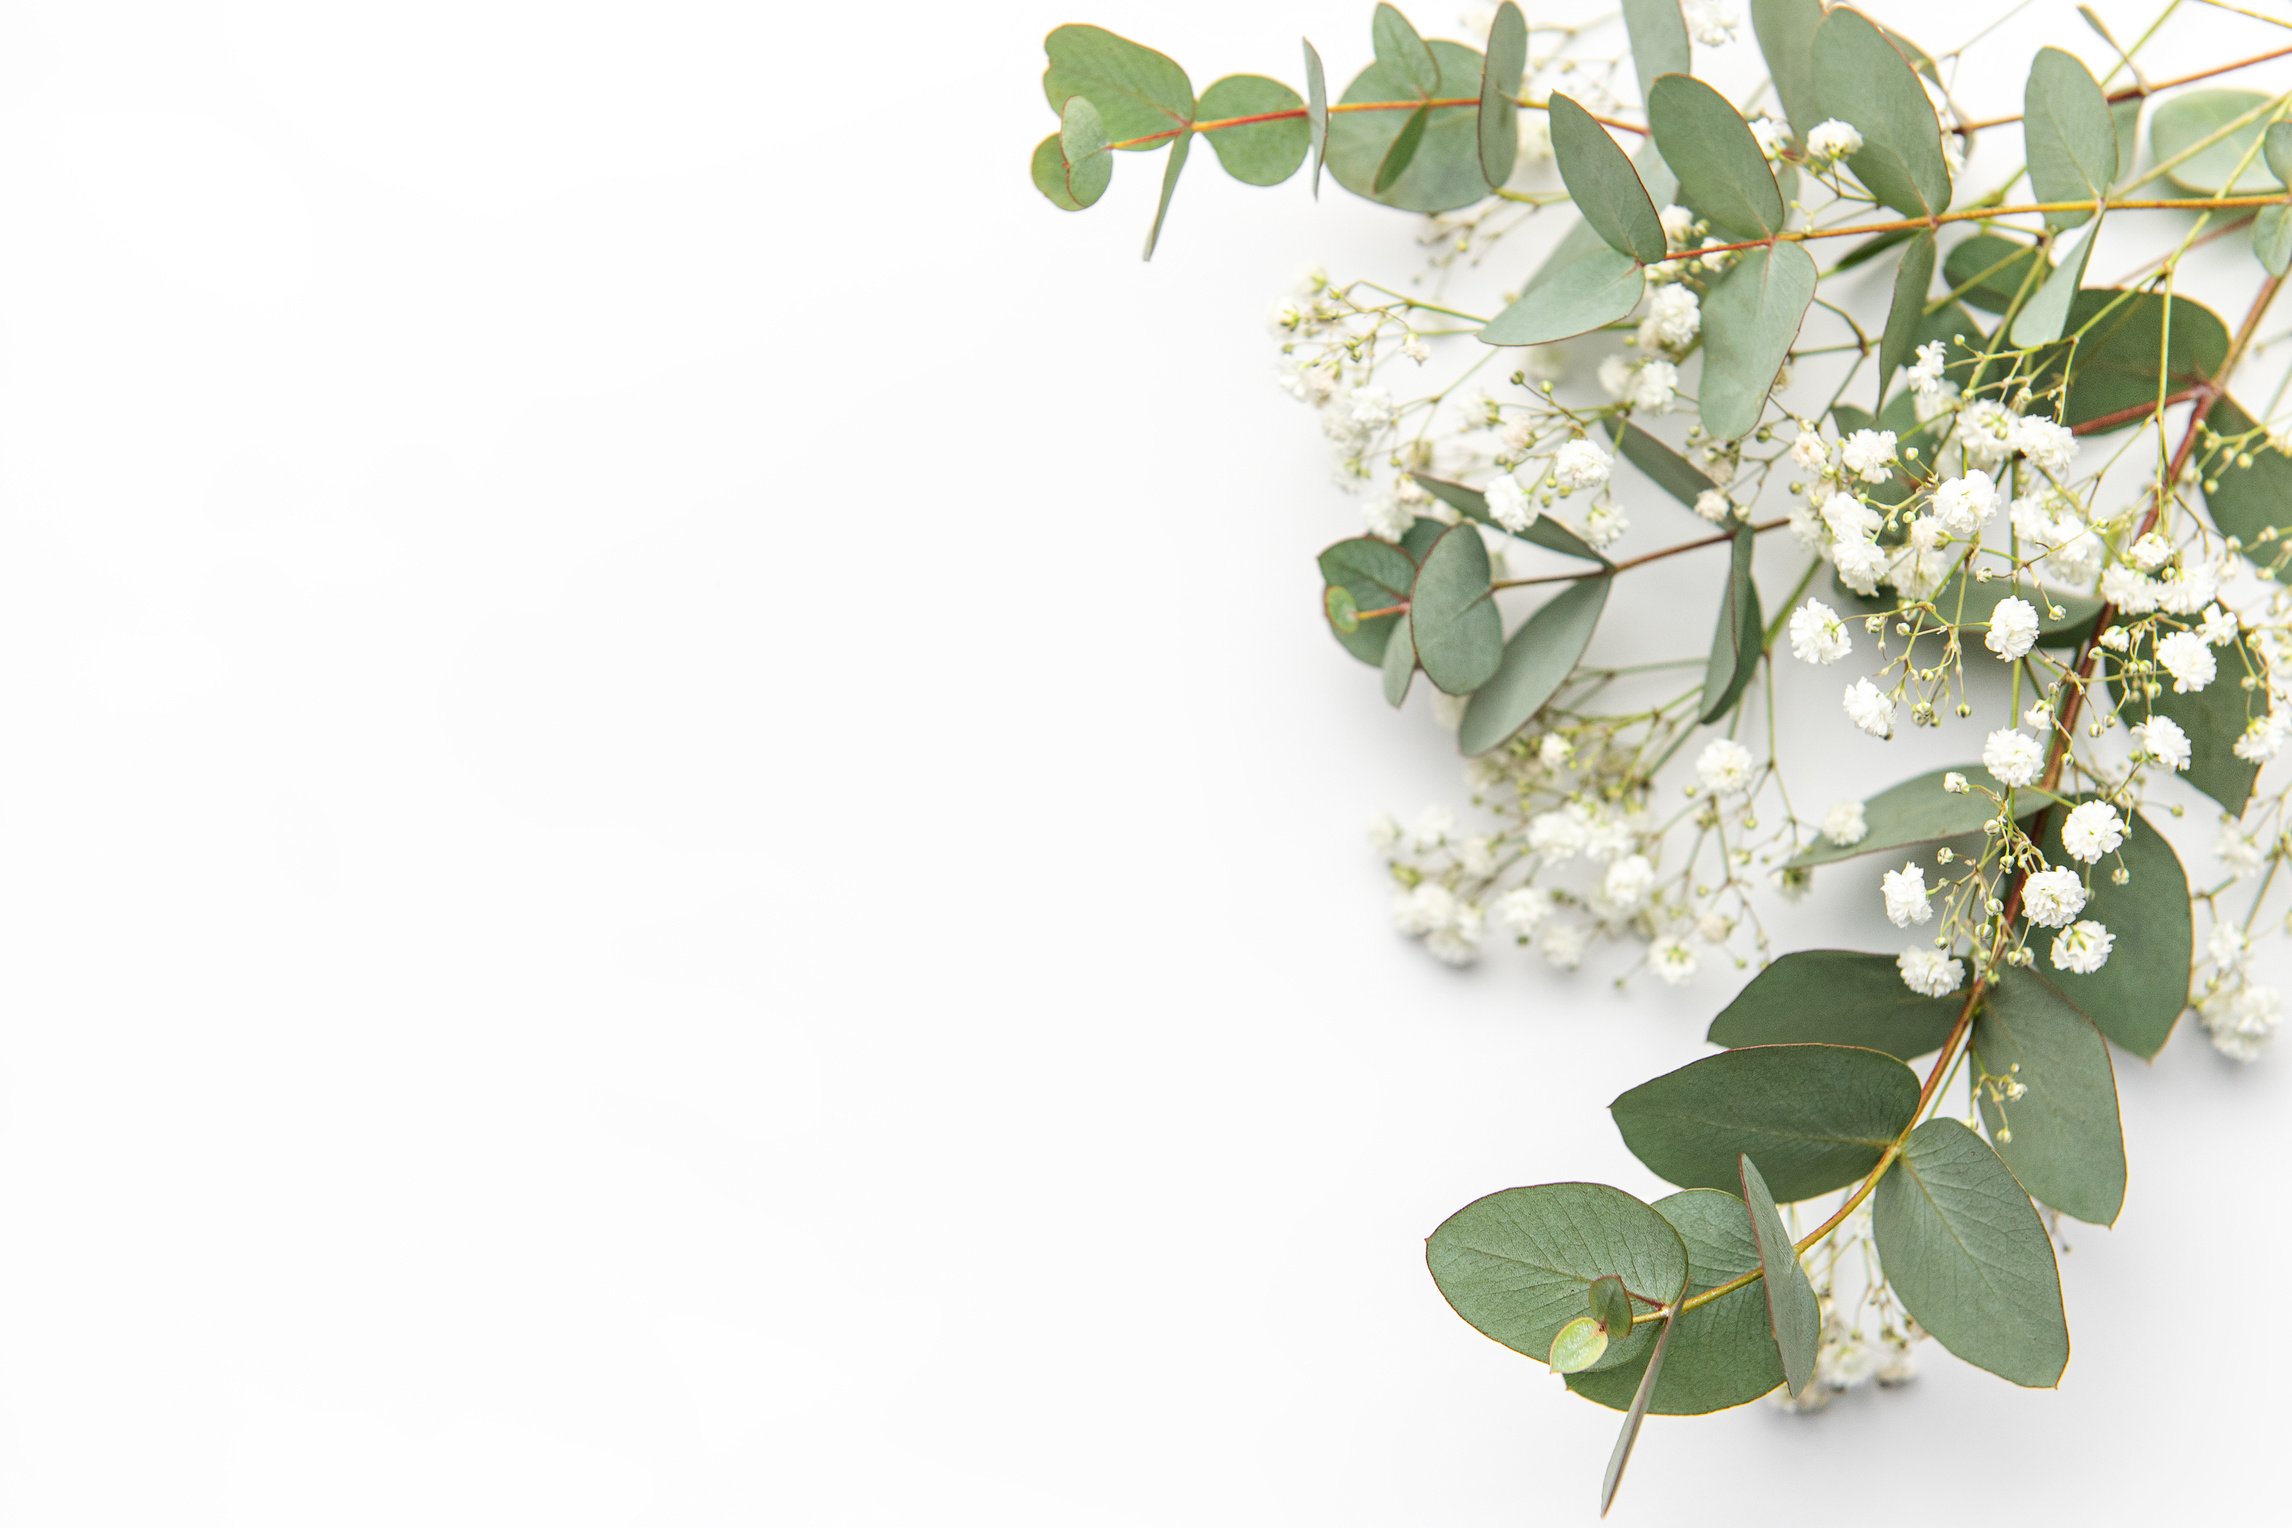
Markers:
point(678, 845)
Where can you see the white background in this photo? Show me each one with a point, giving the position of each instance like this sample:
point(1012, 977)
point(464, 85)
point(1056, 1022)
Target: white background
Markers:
point(678, 844)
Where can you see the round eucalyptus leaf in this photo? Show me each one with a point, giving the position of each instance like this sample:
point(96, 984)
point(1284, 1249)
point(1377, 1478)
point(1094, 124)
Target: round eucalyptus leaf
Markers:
point(2188, 119)
point(1751, 316)
point(1866, 80)
point(1257, 153)
point(1519, 1264)
point(1444, 171)
point(1453, 620)
point(1722, 173)
point(2067, 134)
point(2061, 1135)
point(1578, 1346)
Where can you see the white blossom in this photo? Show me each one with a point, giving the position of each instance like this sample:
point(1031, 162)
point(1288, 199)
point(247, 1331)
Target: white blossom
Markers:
point(1387, 516)
point(2013, 628)
point(1869, 454)
point(1714, 506)
point(2161, 738)
point(1818, 636)
point(2013, 756)
point(2053, 896)
point(1773, 137)
point(1849, 519)
point(2263, 737)
point(2092, 830)
point(2241, 1023)
point(2048, 446)
point(1563, 942)
point(1832, 139)
point(1724, 766)
point(1984, 428)
point(1521, 909)
point(1928, 972)
point(2082, 948)
point(1626, 886)
point(1712, 21)
point(1965, 504)
point(1673, 318)
point(1905, 892)
point(2188, 658)
point(1509, 504)
point(1653, 386)
point(1870, 708)
point(1925, 376)
point(1672, 958)
point(1844, 825)
point(1579, 464)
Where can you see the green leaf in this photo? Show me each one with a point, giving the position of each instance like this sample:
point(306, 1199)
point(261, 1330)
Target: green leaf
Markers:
point(1750, 318)
point(1737, 645)
point(1137, 91)
point(1874, 246)
point(1817, 1115)
point(2139, 992)
point(1500, 76)
point(1518, 1264)
point(2247, 500)
point(1453, 620)
point(1401, 53)
point(1444, 171)
point(1179, 149)
point(1400, 663)
point(1786, 31)
point(1538, 659)
point(1989, 270)
point(2133, 348)
point(1917, 811)
point(2276, 150)
point(2044, 316)
point(1866, 81)
point(2186, 120)
point(1595, 288)
point(2061, 1136)
point(1580, 1344)
point(1611, 1305)
point(2272, 238)
point(1791, 1304)
point(1343, 612)
point(1964, 1249)
point(1605, 187)
point(1709, 146)
point(1543, 531)
point(2214, 718)
point(1665, 468)
point(1906, 314)
point(1658, 34)
point(1722, 1354)
point(1316, 112)
point(1628, 1435)
point(2067, 134)
point(1082, 147)
point(1256, 153)
point(1403, 150)
point(1048, 166)
point(1375, 574)
point(1836, 997)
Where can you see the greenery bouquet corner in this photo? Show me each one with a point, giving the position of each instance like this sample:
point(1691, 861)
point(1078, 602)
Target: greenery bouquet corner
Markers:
point(1851, 348)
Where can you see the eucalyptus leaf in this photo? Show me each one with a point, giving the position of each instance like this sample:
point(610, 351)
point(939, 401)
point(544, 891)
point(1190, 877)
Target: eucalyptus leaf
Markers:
point(1256, 153)
point(1594, 289)
point(1537, 661)
point(2193, 116)
point(1965, 1251)
point(1500, 75)
point(2138, 994)
point(1786, 32)
point(1543, 531)
point(1578, 1346)
point(1048, 167)
point(1628, 1435)
point(1736, 646)
point(2214, 718)
point(1906, 313)
point(1611, 1304)
point(1375, 574)
point(1400, 662)
point(1722, 174)
point(1403, 149)
point(1666, 468)
point(1179, 149)
point(1865, 80)
point(2272, 238)
point(1082, 146)
point(1836, 997)
point(1658, 34)
point(2043, 318)
point(2247, 499)
point(1751, 316)
point(1722, 1354)
point(1453, 619)
point(1603, 184)
point(1444, 169)
point(1791, 1304)
point(2068, 135)
point(2061, 1135)
point(1316, 111)
point(1990, 271)
point(1818, 1116)
point(1401, 53)
point(1914, 812)
point(1518, 1264)
point(1967, 605)
point(2134, 348)
point(1138, 92)
point(2276, 150)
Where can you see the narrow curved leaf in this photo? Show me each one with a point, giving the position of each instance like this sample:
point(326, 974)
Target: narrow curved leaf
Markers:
point(1786, 32)
point(1750, 318)
point(1179, 149)
point(1990, 271)
point(1915, 812)
point(1597, 287)
point(2043, 318)
point(1722, 1354)
point(2214, 718)
point(1376, 574)
point(1611, 1303)
point(1537, 660)
point(1400, 662)
point(1658, 34)
point(1736, 646)
point(1500, 74)
point(1666, 468)
point(1627, 1437)
point(1543, 531)
point(1964, 1249)
point(1316, 111)
point(1906, 313)
point(1444, 170)
point(1256, 153)
point(2068, 136)
point(2188, 119)
point(1453, 620)
point(2061, 1137)
point(2247, 499)
point(1866, 80)
point(1817, 1115)
point(1519, 1264)
point(1403, 149)
point(1791, 1304)
point(1401, 53)
point(1836, 997)
point(1605, 187)
point(2138, 994)
point(1711, 149)
point(1138, 92)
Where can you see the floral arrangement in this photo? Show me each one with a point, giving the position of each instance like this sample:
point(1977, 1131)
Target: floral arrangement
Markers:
point(2051, 530)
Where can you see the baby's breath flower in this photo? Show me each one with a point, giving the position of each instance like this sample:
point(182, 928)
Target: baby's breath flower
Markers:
point(1928, 972)
point(2013, 756)
point(1818, 636)
point(2092, 830)
point(1724, 766)
point(2188, 658)
point(1870, 708)
point(2082, 948)
point(1905, 891)
point(1833, 140)
point(2052, 897)
point(2013, 628)
point(1843, 824)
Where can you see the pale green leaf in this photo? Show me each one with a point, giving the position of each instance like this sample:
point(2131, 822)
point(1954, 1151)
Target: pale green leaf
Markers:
point(1596, 288)
point(1605, 187)
point(1666, 468)
point(2134, 348)
point(1751, 316)
point(1965, 1251)
point(2272, 238)
point(1453, 619)
point(2139, 993)
point(1377, 574)
point(2060, 1136)
point(1736, 645)
point(1786, 31)
point(2276, 150)
point(1403, 149)
point(1519, 1264)
point(1865, 80)
point(1138, 92)
point(1658, 34)
point(1316, 111)
point(1179, 149)
point(2190, 118)
point(1906, 313)
point(1611, 1303)
point(2214, 718)
point(1709, 146)
point(2068, 135)
point(1915, 812)
point(1444, 170)
point(1791, 1304)
point(1537, 660)
point(1500, 76)
point(1628, 1435)
point(1836, 997)
point(1256, 153)
point(1991, 272)
point(2246, 498)
point(1543, 531)
point(1817, 1115)
point(1082, 146)
point(2046, 315)
point(1401, 53)
point(1048, 167)
point(1578, 1346)
point(1400, 662)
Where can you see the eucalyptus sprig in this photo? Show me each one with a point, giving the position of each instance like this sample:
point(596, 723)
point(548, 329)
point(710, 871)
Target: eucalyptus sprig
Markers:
point(2065, 505)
